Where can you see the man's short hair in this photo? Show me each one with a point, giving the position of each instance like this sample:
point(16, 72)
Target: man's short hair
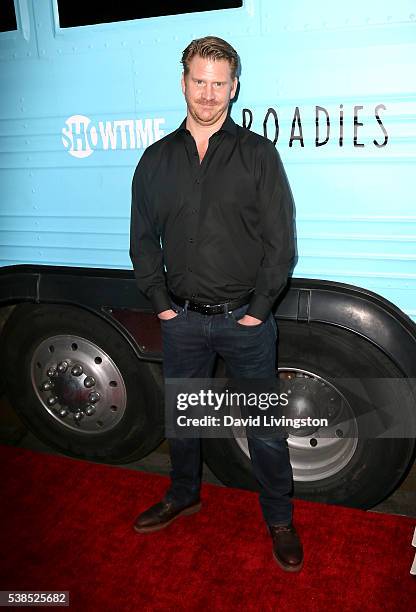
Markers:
point(213, 48)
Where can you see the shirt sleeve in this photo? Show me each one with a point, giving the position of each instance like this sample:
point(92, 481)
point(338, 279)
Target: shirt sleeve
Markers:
point(277, 222)
point(145, 248)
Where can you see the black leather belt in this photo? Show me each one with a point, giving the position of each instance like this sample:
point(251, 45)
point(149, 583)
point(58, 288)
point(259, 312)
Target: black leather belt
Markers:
point(212, 309)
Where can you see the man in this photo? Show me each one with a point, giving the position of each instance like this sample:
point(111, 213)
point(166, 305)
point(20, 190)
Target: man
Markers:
point(211, 245)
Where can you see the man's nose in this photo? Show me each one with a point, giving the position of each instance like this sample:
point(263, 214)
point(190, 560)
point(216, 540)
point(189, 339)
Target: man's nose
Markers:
point(209, 91)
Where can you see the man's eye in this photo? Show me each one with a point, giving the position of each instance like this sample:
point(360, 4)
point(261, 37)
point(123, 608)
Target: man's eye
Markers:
point(198, 82)
point(218, 83)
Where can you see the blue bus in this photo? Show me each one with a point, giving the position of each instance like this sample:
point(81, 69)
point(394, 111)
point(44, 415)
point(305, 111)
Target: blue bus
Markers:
point(84, 91)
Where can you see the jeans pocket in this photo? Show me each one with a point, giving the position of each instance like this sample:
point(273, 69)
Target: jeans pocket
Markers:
point(180, 311)
point(239, 313)
point(251, 328)
point(172, 319)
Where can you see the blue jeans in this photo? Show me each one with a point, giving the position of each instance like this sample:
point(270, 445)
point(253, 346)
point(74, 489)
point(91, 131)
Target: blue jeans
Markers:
point(191, 342)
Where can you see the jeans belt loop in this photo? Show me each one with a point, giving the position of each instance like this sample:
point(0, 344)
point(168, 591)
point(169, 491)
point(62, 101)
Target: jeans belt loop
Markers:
point(186, 308)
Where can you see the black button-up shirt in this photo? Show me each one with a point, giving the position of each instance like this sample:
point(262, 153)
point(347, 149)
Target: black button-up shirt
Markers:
point(212, 231)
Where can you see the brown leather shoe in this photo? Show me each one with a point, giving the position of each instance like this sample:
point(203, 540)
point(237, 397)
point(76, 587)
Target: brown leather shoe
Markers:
point(161, 515)
point(287, 547)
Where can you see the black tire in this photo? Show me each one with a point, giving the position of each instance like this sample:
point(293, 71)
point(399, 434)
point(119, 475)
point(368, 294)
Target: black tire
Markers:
point(375, 467)
point(128, 429)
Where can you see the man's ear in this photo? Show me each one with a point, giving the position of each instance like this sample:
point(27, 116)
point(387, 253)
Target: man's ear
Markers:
point(183, 83)
point(234, 88)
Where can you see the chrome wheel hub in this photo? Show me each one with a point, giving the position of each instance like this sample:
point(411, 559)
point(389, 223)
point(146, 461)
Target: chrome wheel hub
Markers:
point(317, 452)
point(78, 384)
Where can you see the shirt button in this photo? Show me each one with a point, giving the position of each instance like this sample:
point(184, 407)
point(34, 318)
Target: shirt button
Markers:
point(194, 210)
point(197, 181)
point(191, 240)
point(189, 269)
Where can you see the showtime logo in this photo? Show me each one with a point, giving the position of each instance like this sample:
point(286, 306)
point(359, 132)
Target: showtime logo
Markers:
point(81, 137)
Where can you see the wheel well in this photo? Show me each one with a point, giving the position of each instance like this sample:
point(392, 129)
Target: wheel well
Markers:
point(13, 315)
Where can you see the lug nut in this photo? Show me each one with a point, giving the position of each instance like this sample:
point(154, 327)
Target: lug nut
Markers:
point(78, 416)
point(63, 412)
point(46, 386)
point(89, 382)
point(51, 371)
point(94, 396)
point(62, 367)
point(89, 410)
point(51, 401)
point(77, 370)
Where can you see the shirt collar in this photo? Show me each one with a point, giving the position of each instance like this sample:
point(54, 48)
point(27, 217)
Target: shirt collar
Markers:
point(228, 126)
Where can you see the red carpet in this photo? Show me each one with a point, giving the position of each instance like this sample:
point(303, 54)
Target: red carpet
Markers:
point(67, 525)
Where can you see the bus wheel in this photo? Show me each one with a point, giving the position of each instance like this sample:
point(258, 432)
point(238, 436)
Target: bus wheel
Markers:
point(351, 468)
point(78, 386)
